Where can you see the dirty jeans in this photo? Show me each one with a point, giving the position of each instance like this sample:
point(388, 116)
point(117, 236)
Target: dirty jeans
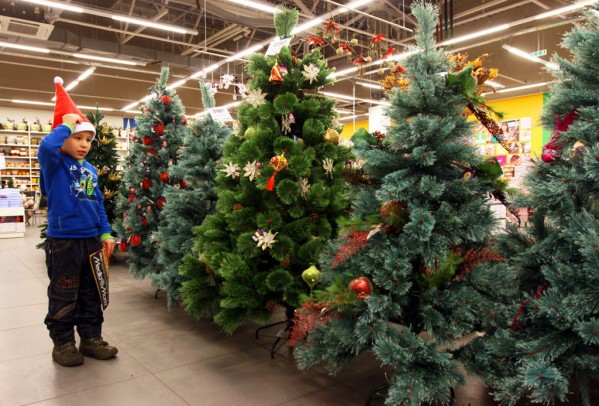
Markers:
point(73, 298)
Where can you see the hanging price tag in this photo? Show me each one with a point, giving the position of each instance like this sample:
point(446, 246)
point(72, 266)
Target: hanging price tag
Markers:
point(275, 46)
point(220, 114)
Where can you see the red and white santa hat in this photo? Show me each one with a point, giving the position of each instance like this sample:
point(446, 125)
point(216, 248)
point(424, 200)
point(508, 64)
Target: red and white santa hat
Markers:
point(64, 105)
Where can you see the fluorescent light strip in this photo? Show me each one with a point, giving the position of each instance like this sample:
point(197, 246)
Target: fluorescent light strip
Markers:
point(370, 85)
point(24, 47)
point(204, 71)
point(350, 98)
point(515, 89)
point(528, 56)
point(307, 25)
point(566, 9)
point(177, 84)
point(494, 84)
point(477, 34)
point(102, 59)
point(255, 5)
point(52, 105)
point(353, 5)
point(351, 117)
point(243, 53)
point(54, 4)
point(153, 24)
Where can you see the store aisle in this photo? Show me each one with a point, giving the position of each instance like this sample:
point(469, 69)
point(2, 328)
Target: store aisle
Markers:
point(165, 358)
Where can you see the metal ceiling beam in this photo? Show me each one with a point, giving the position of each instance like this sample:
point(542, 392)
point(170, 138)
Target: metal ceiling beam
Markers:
point(303, 7)
point(141, 28)
point(204, 44)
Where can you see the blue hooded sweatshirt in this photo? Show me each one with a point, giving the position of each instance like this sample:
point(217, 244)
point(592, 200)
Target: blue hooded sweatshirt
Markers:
point(75, 203)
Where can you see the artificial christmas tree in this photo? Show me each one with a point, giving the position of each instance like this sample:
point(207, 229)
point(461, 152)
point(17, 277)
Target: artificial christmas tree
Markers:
point(411, 273)
point(158, 136)
point(187, 207)
point(103, 156)
point(280, 190)
point(548, 352)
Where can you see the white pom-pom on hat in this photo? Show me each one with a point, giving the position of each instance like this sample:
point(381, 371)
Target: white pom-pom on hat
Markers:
point(58, 80)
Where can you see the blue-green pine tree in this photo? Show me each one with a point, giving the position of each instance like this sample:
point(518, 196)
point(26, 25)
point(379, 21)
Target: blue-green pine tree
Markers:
point(549, 350)
point(187, 207)
point(280, 179)
point(158, 137)
point(414, 272)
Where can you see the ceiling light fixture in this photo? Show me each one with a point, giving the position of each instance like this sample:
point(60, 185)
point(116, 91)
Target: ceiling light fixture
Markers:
point(528, 56)
point(351, 117)
point(245, 52)
point(306, 26)
point(255, 5)
point(515, 89)
point(370, 85)
point(52, 105)
point(494, 84)
point(153, 24)
point(350, 98)
point(177, 84)
point(204, 71)
point(566, 9)
point(24, 47)
point(102, 59)
point(55, 4)
point(477, 34)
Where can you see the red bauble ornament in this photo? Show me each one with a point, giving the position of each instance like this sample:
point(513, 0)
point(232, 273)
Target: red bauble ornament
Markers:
point(183, 184)
point(549, 155)
point(122, 246)
point(128, 229)
point(183, 120)
point(160, 202)
point(131, 198)
point(135, 240)
point(159, 129)
point(164, 176)
point(362, 286)
point(152, 151)
point(145, 221)
point(146, 183)
point(148, 141)
point(166, 100)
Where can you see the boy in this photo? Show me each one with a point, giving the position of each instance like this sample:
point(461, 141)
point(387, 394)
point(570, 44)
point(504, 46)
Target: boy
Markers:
point(77, 227)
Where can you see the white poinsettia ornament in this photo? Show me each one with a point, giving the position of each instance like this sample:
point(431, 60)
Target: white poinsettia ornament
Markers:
point(252, 169)
point(311, 72)
point(328, 165)
point(304, 187)
point(286, 124)
point(264, 240)
point(231, 169)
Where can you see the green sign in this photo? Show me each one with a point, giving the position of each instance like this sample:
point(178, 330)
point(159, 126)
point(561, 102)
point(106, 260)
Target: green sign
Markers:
point(540, 52)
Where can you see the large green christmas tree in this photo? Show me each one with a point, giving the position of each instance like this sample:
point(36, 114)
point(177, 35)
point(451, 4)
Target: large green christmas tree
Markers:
point(103, 156)
point(187, 207)
point(158, 137)
point(410, 275)
point(280, 190)
point(550, 349)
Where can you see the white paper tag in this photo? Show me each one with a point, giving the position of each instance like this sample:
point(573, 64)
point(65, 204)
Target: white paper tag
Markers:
point(220, 114)
point(275, 46)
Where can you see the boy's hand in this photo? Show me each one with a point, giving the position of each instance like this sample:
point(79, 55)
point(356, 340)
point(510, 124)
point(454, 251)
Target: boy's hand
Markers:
point(109, 245)
point(71, 119)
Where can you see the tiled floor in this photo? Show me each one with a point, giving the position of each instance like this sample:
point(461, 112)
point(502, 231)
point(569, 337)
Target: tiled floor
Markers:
point(165, 357)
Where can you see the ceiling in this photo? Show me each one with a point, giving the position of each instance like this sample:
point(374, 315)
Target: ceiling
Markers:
point(225, 28)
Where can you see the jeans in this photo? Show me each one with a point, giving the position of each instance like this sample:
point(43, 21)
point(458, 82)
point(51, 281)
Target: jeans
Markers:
point(72, 293)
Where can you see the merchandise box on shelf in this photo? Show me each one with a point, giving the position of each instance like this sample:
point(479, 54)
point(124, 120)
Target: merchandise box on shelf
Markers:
point(12, 222)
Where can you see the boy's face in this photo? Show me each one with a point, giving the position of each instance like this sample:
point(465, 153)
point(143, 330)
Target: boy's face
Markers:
point(78, 144)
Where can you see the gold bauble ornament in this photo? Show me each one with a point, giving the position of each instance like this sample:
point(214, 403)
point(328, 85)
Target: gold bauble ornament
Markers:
point(331, 135)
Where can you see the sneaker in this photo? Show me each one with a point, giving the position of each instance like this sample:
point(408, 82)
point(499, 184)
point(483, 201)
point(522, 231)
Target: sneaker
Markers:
point(97, 348)
point(66, 354)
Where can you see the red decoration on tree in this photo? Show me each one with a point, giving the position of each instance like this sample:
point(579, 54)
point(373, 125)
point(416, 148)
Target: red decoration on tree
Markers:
point(123, 246)
point(146, 183)
point(152, 151)
point(331, 26)
point(279, 163)
point(553, 149)
point(160, 202)
point(474, 257)
point(135, 240)
point(355, 241)
point(376, 39)
point(183, 184)
point(166, 100)
point(131, 198)
point(148, 141)
point(159, 129)
point(388, 52)
point(145, 221)
point(164, 176)
point(183, 120)
point(399, 70)
point(307, 318)
point(362, 286)
point(315, 41)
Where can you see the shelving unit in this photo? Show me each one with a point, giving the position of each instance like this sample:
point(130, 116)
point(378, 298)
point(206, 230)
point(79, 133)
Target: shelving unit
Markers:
point(21, 157)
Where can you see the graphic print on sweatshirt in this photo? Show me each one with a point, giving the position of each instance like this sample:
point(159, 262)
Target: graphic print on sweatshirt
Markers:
point(83, 183)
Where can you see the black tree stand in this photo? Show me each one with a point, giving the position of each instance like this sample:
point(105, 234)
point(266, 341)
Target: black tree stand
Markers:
point(282, 335)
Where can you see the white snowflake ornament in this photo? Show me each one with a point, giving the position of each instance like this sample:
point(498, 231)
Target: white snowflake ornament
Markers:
point(251, 170)
point(311, 72)
point(304, 187)
point(264, 240)
point(328, 165)
point(226, 80)
point(285, 124)
point(256, 97)
point(231, 169)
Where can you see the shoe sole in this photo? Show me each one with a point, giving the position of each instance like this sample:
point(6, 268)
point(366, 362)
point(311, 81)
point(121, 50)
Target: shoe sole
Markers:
point(85, 353)
point(67, 365)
